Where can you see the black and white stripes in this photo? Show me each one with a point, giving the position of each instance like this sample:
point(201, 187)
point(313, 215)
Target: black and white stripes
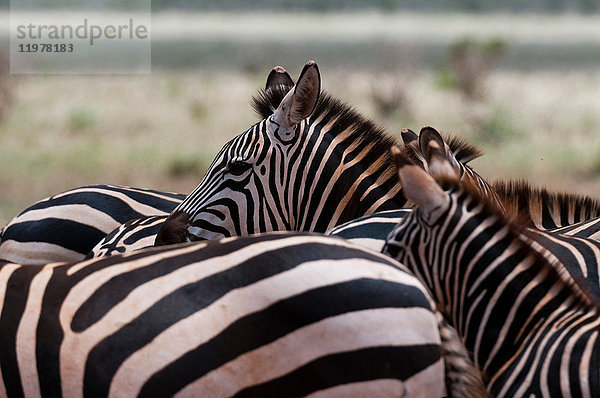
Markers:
point(272, 315)
point(312, 163)
point(65, 227)
point(532, 330)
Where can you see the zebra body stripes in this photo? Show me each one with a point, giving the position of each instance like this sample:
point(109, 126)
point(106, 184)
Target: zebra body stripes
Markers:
point(532, 331)
point(65, 227)
point(238, 317)
point(135, 234)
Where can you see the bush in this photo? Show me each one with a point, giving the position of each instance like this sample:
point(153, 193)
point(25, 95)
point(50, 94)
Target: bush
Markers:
point(81, 119)
point(472, 61)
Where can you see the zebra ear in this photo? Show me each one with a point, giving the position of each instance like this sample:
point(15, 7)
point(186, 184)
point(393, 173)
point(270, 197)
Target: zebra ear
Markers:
point(411, 142)
point(432, 143)
point(279, 79)
point(300, 102)
point(439, 166)
point(306, 93)
point(421, 189)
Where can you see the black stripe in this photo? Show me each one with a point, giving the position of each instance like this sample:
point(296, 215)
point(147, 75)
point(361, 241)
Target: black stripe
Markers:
point(49, 332)
point(69, 234)
point(280, 319)
point(15, 299)
point(372, 230)
point(349, 367)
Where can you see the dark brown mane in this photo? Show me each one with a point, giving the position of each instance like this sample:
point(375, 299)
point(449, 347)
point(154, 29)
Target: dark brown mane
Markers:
point(264, 102)
point(519, 196)
point(462, 150)
point(518, 230)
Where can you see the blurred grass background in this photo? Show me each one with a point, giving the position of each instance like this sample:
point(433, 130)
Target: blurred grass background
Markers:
point(525, 88)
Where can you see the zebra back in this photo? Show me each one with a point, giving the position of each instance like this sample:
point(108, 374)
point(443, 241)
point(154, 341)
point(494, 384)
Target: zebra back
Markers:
point(65, 227)
point(243, 317)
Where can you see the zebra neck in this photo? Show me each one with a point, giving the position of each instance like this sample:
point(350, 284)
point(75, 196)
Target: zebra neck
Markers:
point(339, 178)
point(505, 293)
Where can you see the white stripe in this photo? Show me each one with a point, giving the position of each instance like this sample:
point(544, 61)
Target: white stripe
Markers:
point(584, 367)
point(373, 244)
point(36, 253)
point(82, 214)
point(205, 324)
point(26, 341)
point(567, 358)
point(343, 333)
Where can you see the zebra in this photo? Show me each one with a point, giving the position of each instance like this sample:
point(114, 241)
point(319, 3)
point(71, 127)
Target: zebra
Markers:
point(369, 231)
point(531, 329)
point(135, 234)
point(311, 163)
point(65, 227)
point(243, 316)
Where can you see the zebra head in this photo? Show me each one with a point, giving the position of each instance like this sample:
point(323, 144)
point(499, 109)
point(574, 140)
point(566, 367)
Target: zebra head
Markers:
point(416, 240)
point(456, 152)
point(310, 164)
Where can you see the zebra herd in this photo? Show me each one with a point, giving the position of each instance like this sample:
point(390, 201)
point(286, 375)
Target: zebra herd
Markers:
point(314, 258)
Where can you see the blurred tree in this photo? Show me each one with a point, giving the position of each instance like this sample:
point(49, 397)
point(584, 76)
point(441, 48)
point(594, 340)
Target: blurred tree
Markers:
point(472, 61)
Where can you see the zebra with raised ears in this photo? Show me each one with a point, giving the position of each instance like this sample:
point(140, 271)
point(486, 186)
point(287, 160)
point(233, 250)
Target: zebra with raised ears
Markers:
point(238, 317)
point(66, 226)
point(312, 163)
point(372, 230)
point(530, 327)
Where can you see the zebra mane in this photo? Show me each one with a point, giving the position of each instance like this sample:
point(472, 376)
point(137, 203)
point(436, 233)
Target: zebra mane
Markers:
point(462, 150)
point(520, 196)
point(518, 230)
point(264, 102)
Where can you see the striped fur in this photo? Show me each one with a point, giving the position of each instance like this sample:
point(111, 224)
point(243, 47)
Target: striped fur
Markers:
point(369, 231)
point(551, 210)
point(238, 317)
point(65, 227)
point(135, 234)
point(326, 169)
point(532, 331)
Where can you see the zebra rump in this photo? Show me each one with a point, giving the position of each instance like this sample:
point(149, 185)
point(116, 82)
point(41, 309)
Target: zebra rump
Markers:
point(270, 315)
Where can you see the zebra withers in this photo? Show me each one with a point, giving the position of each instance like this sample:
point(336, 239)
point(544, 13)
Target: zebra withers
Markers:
point(372, 230)
point(66, 226)
point(531, 329)
point(270, 315)
point(569, 214)
point(312, 163)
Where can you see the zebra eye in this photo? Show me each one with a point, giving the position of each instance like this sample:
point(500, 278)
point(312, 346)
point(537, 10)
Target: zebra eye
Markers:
point(238, 168)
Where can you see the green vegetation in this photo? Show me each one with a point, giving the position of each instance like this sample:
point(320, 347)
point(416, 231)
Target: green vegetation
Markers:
point(81, 119)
